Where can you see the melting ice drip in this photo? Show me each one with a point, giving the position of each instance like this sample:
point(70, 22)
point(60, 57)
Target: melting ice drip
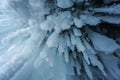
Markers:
point(53, 40)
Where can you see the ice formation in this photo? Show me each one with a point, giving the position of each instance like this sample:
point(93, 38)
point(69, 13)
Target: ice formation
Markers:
point(59, 40)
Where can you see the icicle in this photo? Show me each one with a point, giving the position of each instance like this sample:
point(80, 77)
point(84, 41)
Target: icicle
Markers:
point(103, 43)
point(66, 54)
point(77, 32)
point(96, 62)
point(111, 63)
point(114, 9)
point(91, 20)
point(88, 71)
point(53, 40)
point(110, 19)
point(85, 55)
point(62, 45)
point(79, 45)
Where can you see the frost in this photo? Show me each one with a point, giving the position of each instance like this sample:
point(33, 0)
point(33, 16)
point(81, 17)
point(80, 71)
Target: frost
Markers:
point(91, 20)
point(78, 22)
point(63, 21)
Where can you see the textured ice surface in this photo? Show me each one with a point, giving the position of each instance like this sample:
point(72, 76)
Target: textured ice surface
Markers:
point(59, 40)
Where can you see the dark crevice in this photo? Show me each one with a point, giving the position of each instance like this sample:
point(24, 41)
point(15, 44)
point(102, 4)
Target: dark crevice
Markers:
point(110, 30)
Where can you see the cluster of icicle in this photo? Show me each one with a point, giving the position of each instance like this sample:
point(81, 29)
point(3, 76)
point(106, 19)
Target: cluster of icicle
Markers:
point(52, 40)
